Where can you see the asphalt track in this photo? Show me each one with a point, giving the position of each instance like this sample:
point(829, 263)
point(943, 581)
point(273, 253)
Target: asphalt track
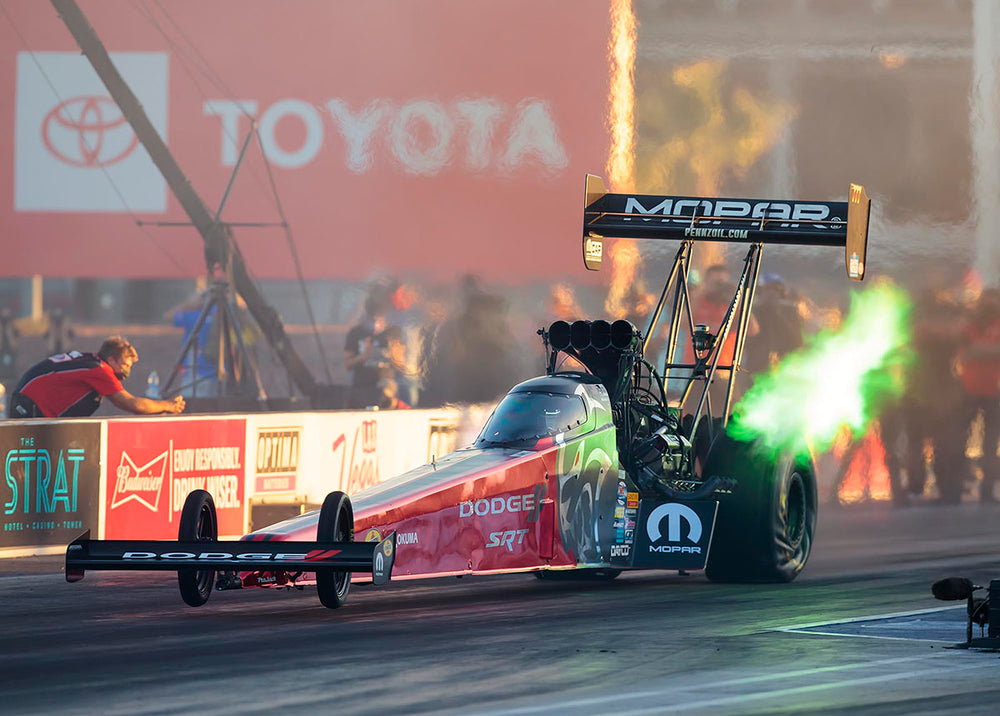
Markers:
point(121, 643)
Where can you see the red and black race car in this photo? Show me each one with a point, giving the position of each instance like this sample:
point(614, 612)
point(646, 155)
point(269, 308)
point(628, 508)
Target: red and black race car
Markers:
point(581, 473)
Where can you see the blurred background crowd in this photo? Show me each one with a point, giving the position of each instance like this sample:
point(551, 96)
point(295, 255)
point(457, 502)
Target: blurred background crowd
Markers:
point(731, 98)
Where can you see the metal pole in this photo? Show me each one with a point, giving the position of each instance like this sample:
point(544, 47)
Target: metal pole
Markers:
point(985, 117)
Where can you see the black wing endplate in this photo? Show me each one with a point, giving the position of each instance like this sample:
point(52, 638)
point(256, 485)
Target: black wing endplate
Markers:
point(158, 555)
point(748, 221)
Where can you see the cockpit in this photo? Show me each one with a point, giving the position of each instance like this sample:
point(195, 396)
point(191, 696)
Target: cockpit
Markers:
point(524, 418)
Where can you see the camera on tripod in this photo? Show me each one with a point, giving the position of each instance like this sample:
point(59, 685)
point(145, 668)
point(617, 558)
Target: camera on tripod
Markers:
point(984, 611)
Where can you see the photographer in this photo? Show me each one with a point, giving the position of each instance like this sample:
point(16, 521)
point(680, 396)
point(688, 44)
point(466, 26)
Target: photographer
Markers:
point(373, 351)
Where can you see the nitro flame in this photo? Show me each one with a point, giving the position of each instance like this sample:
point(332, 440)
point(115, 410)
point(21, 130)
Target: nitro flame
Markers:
point(627, 294)
point(621, 160)
point(840, 377)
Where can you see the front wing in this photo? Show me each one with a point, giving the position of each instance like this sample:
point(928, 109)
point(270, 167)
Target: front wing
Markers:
point(161, 555)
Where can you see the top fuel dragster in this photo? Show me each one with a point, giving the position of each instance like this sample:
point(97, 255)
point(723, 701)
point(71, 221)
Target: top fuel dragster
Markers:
point(576, 473)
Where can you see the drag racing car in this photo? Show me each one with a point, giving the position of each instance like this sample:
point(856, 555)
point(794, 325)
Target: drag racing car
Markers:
point(579, 473)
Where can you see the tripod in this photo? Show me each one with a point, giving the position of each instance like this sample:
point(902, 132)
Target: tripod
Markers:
point(235, 365)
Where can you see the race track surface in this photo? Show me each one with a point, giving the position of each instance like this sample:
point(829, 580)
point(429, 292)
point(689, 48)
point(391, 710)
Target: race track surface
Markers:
point(124, 643)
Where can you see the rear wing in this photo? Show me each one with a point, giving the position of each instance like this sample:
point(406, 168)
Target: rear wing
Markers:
point(747, 221)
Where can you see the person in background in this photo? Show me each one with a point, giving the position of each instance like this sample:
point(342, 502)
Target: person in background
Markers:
point(776, 308)
point(73, 385)
point(200, 373)
point(407, 312)
point(979, 374)
point(372, 352)
point(932, 403)
point(390, 396)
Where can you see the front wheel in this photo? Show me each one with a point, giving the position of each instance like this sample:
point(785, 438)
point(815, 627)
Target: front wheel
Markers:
point(198, 524)
point(336, 524)
point(764, 530)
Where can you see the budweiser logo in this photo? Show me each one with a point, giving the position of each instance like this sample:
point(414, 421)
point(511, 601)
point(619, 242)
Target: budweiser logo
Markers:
point(139, 483)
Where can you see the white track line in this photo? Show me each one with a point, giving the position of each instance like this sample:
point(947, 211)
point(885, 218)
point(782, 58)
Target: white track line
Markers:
point(670, 692)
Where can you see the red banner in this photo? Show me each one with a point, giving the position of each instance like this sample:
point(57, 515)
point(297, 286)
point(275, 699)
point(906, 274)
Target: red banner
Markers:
point(437, 137)
point(154, 464)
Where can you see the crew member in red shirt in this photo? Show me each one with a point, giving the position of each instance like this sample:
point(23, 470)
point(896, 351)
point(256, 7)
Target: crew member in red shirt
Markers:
point(73, 385)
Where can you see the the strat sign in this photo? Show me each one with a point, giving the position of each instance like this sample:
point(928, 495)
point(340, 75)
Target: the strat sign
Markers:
point(392, 129)
point(153, 465)
point(51, 475)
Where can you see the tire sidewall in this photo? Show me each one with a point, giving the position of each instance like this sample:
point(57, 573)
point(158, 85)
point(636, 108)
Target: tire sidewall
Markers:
point(199, 521)
point(336, 524)
point(749, 542)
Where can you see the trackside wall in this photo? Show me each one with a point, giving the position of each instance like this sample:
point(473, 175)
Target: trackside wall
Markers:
point(127, 478)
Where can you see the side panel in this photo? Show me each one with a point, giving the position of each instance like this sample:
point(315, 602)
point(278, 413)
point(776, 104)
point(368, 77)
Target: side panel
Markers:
point(50, 489)
point(154, 463)
point(587, 471)
point(489, 522)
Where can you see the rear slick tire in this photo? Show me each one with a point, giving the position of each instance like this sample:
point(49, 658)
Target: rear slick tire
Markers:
point(336, 524)
point(764, 530)
point(198, 524)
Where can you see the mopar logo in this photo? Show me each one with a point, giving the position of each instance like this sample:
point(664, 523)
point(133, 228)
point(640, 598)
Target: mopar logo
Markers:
point(678, 210)
point(674, 513)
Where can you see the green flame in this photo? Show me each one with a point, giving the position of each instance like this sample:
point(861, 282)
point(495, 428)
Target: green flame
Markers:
point(842, 376)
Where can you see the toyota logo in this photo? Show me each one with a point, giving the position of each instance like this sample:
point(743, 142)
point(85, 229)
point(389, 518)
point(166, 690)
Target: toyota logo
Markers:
point(88, 131)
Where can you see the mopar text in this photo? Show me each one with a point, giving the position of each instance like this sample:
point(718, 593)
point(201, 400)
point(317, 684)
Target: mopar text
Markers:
point(676, 210)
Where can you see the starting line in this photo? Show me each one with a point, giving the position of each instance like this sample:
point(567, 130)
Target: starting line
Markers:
point(943, 625)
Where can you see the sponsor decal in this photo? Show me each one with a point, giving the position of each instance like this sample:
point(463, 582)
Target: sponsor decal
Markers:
point(419, 135)
point(373, 535)
point(530, 502)
point(628, 534)
point(157, 464)
point(40, 482)
point(856, 268)
point(407, 538)
point(716, 233)
point(633, 501)
point(277, 462)
point(68, 139)
point(619, 512)
point(622, 492)
point(387, 548)
point(139, 483)
point(506, 538)
point(675, 515)
point(620, 551)
point(93, 121)
point(593, 252)
point(679, 210)
point(51, 478)
point(359, 468)
point(316, 555)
